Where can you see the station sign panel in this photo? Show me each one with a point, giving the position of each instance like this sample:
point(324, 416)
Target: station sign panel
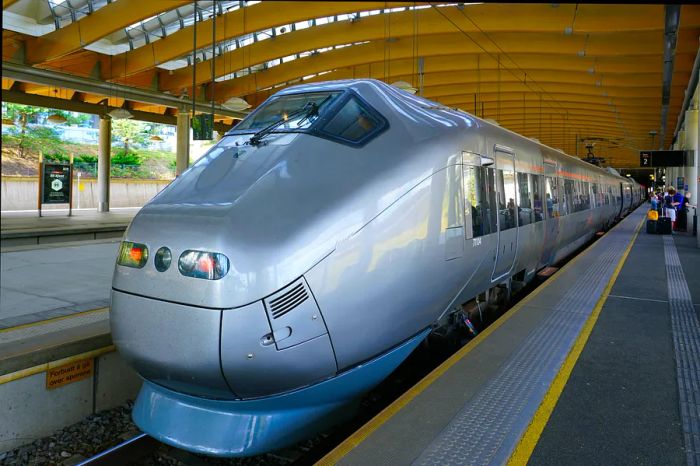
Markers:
point(662, 158)
point(56, 183)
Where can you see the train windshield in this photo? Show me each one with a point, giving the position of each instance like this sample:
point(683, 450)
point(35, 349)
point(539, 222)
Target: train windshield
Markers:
point(287, 112)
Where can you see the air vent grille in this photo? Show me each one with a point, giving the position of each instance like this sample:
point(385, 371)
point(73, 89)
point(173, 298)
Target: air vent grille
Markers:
point(288, 301)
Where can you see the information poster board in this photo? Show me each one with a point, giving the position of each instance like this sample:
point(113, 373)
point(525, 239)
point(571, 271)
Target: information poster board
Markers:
point(56, 183)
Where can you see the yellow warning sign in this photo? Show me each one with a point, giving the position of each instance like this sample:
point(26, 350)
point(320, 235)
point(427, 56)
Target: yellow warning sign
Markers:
point(68, 373)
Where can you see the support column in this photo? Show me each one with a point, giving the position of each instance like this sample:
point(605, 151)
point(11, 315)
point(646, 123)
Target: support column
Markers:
point(103, 163)
point(691, 145)
point(183, 142)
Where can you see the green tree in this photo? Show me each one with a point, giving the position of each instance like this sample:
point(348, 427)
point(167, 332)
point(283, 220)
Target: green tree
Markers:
point(128, 132)
point(33, 114)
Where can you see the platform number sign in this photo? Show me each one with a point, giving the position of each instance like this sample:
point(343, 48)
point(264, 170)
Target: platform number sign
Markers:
point(56, 184)
point(662, 158)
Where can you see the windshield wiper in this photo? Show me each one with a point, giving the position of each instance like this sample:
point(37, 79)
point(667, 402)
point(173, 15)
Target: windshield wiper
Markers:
point(308, 110)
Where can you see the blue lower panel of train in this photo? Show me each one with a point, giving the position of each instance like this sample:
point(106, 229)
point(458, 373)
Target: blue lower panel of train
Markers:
point(250, 427)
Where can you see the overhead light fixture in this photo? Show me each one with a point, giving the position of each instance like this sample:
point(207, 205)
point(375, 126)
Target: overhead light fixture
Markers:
point(404, 86)
point(236, 104)
point(156, 138)
point(56, 119)
point(120, 114)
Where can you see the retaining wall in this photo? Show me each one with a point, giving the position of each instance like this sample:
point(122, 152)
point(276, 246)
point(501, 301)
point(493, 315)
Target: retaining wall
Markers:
point(20, 193)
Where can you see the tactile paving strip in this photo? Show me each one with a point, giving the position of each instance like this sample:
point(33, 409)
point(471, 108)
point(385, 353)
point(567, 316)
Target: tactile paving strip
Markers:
point(489, 426)
point(686, 345)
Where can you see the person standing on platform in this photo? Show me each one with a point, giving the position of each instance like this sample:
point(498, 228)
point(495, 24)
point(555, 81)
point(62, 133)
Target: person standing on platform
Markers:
point(654, 202)
point(670, 206)
point(682, 212)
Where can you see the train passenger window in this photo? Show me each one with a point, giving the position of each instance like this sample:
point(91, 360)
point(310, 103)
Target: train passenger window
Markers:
point(479, 201)
point(525, 212)
point(536, 182)
point(552, 197)
point(353, 122)
point(567, 207)
point(595, 199)
point(585, 195)
point(574, 202)
point(505, 187)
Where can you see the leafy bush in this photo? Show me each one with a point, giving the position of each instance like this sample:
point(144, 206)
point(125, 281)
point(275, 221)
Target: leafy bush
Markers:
point(56, 157)
point(125, 171)
point(43, 132)
point(126, 158)
point(86, 158)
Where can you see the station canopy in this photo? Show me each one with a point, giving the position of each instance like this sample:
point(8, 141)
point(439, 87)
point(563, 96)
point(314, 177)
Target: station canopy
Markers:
point(611, 77)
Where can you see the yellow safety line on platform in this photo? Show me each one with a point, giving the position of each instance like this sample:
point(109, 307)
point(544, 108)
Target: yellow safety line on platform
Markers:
point(528, 442)
point(52, 320)
point(52, 364)
point(387, 413)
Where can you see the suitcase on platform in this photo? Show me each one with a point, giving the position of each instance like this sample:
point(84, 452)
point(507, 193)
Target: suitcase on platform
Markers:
point(664, 226)
point(651, 226)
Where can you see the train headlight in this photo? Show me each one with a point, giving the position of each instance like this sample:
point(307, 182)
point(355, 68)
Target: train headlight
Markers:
point(132, 254)
point(162, 259)
point(202, 264)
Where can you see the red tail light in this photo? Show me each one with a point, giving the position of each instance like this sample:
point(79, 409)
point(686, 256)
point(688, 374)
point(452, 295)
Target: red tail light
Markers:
point(132, 254)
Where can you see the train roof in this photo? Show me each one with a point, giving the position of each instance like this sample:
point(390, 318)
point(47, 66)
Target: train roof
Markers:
point(364, 85)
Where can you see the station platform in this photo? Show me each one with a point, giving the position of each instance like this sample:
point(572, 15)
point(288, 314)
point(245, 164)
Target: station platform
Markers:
point(599, 365)
point(54, 318)
point(43, 282)
point(20, 228)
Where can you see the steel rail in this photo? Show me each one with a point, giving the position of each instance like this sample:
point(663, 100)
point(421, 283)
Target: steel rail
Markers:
point(124, 453)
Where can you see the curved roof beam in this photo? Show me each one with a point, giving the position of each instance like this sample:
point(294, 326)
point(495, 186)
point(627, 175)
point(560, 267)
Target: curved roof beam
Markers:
point(258, 17)
point(101, 23)
point(403, 40)
point(544, 46)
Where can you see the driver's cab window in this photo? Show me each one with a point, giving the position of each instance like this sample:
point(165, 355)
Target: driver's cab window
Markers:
point(353, 122)
point(292, 111)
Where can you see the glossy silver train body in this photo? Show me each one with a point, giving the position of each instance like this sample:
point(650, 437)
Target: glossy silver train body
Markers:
point(318, 243)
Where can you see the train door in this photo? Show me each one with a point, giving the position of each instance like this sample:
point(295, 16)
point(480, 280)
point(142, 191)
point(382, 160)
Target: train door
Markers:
point(622, 201)
point(552, 198)
point(507, 212)
point(480, 211)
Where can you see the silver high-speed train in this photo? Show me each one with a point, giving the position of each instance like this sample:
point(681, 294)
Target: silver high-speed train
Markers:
point(298, 262)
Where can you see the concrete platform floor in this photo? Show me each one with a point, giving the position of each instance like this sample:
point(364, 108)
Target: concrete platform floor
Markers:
point(46, 281)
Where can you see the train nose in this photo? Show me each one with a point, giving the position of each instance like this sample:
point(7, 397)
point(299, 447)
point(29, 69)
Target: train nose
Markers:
point(174, 345)
point(273, 345)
